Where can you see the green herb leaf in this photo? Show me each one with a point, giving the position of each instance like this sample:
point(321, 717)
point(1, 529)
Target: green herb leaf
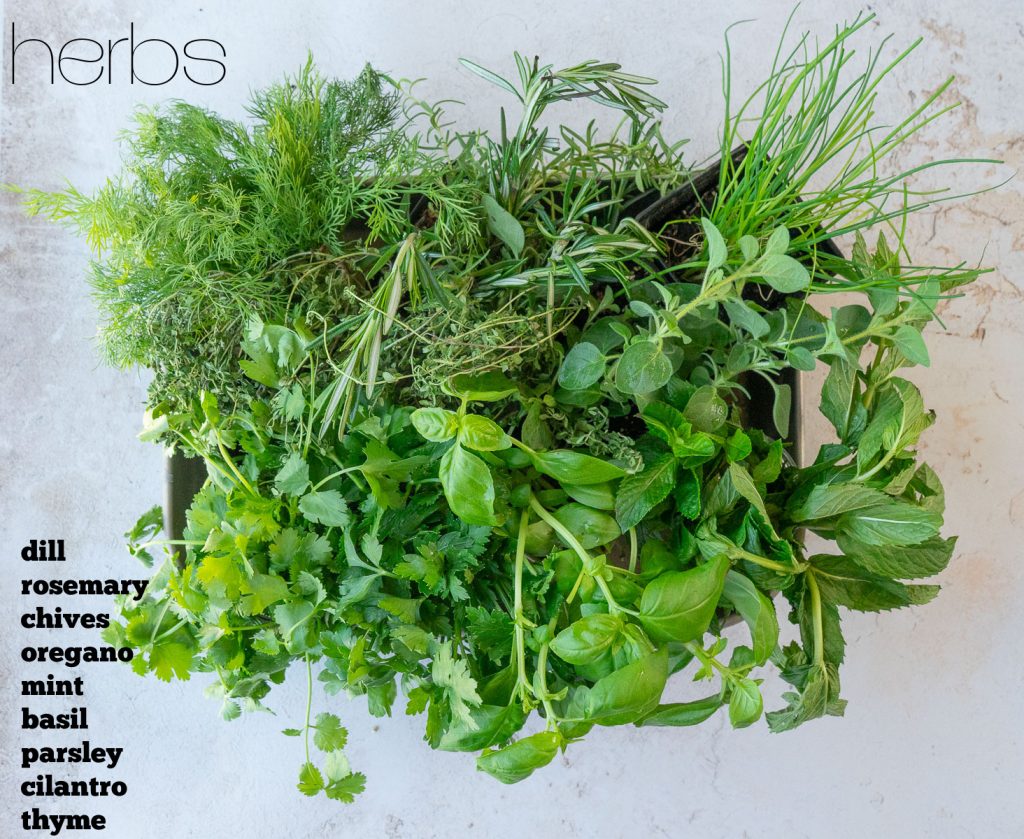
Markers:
point(583, 367)
point(482, 434)
point(574, 467)
point(468, 486)
point(519, 760)
point(643, 368)
point(640, 493)
point(679, 605)
point(436, 424)
point(325, 507)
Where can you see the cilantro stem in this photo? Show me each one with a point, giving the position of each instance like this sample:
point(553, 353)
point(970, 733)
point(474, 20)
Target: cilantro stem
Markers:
point(167, 633)
point(231, 464)
point(160, 620)
point(309, 701)
point(334, 475)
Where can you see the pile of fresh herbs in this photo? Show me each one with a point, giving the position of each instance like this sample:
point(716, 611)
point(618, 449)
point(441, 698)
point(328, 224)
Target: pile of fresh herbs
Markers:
point(481, 433)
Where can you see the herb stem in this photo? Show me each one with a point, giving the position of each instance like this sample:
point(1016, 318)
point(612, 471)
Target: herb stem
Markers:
point(819, 629)
point(309, 701)
point(519, 630)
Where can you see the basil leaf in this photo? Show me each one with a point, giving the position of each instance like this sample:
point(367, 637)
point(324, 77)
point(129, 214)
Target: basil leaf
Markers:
point(683, 713)
point(757, 611)
point(586, 640)
point(519, 760)
point(435, 424)
point(599, 496)
point(628, 694)
point(483, 387)
point(494, 724)
point(745, 703)
point(468, 486)
point(679, 605)
point(591, 527)
point(574, 468)
point(482, 434)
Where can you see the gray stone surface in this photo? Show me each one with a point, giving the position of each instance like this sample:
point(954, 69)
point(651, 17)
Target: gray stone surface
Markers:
point(931, 743)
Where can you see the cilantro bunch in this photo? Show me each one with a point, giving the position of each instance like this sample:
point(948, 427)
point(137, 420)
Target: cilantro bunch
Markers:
point(497, 430)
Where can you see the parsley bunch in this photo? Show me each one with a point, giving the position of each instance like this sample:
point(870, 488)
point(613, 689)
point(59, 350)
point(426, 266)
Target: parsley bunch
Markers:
point(500, 424)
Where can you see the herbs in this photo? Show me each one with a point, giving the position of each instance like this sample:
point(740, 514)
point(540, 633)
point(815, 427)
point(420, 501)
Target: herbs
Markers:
point(476, 436)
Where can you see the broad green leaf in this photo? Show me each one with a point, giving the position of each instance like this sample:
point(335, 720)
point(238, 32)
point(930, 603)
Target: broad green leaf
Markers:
point(717, 251)
point(519, 760)
point(643, 368)
point(591, 527)
point(738, 446)
point(846, 584)
point(435, 424)
point(468, 486)
point(742, 316)
point(599, 496)
point(630, 693)
point(782, 407)
point(783, 273)
point(640, 493)
point(575, 468)
point(493, 724)
point(745, 486)
point(778, 242)
point(683, 713)
point(588, 639)
point(892, 523)
point(679, 605)
point(840, 402)
point(706, 410)
point(749, 247)
point(482, 434)
point(909, 562)
point(828, 500)
point(483, 387)
point(757, 611)
point(582, 367)
point(909, 342)
point(504, 225)
point(745, 703)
